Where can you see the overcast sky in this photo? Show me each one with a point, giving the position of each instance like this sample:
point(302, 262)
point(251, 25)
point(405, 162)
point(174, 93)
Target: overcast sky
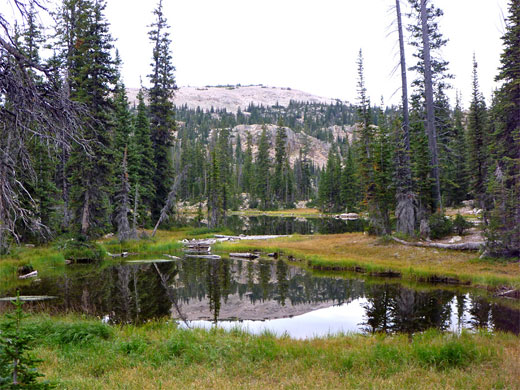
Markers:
point(309, 45)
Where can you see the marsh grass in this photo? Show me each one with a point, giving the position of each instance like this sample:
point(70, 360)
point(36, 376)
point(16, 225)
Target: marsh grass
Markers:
point(85, 354)
point(356, 251)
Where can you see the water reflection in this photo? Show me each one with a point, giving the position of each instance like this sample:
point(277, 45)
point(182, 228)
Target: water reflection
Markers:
point(258, 225)
point(263, 294)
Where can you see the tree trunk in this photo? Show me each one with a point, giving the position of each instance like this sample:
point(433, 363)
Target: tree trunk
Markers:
point(430, 111)
point(466, 246)
point(405, 210)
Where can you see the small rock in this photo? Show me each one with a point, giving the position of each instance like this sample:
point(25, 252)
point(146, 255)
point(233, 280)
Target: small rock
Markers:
point(455, 239)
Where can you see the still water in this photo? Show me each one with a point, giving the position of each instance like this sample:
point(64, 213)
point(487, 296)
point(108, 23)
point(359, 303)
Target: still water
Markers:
point(260, 295)
point(269, 225)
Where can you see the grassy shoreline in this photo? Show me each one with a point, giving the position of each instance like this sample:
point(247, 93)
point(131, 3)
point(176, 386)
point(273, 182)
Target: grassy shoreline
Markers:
point(81, 353)
point(337, 252)
point(362, 253)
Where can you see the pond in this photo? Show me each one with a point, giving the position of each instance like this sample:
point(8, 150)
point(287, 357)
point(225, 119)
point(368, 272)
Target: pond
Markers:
point(262, 294)
point(273, 225)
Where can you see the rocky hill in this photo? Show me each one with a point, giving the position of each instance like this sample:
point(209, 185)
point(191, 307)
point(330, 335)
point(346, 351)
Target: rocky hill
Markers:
point(317, 150)
point(233, 97)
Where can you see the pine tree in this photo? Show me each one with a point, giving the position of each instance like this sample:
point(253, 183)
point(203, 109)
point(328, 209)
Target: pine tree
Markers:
point(456, 170)
point(215, 192)
point(161, 110)
point(349, 183)
point(247, 175)
point(329, 189)
point(383, 173)
point(262, 170)
point(477, 142)
point(141, 164)
point(91, 73)
point(17, 364)
point(432, 69)
point(366, 154)
point(503, 232)
point(282, 181)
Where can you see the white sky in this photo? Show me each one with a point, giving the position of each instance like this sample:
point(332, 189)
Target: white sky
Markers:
point(311, 45)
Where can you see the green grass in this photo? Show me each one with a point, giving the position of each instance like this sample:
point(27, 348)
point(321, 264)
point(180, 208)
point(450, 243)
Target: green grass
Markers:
point(80, 353)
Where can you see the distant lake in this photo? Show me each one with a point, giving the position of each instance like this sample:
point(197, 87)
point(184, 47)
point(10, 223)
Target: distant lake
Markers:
point(267, 225)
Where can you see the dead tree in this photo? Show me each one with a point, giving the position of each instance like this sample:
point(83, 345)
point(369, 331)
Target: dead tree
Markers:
point(405, 209)
point(170, 201)
point(124, 232)
point(28, 110)
point(430, 108)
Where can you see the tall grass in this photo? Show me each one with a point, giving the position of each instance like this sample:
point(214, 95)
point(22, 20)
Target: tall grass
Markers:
point(85, 354)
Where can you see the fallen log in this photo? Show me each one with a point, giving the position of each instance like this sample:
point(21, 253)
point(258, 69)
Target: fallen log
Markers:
point(465, 246)
point(244, 255)
point(197, 249)
point(122, 254)
point(208, 257)
point(29, 275)
point(172, 257)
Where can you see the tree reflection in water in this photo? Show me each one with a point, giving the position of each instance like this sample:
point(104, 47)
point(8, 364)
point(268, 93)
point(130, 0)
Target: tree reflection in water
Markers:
point(134, 293)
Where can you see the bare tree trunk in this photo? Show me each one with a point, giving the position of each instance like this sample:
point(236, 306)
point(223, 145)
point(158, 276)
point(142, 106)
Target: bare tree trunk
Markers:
point(136, 204)
point(85, 213)
point(405, 210)
point(172, 196)
point(430, 111)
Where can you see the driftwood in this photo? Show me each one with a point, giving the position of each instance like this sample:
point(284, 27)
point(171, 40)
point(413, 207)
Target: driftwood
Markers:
point(208, 257)
point(465, 246)
point(33, 274)
point(172, 257)
point(244, 255)
point(122, 254)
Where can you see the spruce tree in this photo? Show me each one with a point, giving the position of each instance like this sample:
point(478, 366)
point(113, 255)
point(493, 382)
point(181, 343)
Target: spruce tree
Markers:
point(262, 170)
point(349, 182)
point(503, 232)
point(91, 73)
point(141, 164)
point(281, 177)
point(329, 189)
point(247, 180)
point(456, 170)
point(477, 142)
point(161, 110)
point(433, 76)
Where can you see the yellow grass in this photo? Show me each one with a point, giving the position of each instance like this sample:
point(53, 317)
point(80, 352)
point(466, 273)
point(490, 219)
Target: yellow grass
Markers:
point(350, 250)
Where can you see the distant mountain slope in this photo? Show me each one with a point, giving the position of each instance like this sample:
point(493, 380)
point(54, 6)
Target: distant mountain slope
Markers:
point(233, 97)
point(317, 150)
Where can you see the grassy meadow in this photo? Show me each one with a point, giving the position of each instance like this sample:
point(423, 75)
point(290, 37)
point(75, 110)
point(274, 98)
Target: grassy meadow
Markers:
point(85, 354)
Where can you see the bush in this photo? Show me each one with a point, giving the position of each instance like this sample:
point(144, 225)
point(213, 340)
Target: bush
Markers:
point(460, 224)
point(81, 250)
point(440, 226)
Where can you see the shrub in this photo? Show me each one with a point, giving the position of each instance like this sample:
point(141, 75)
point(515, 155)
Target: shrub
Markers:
point(81, 250)
point(460, 224)
point(440, 226)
